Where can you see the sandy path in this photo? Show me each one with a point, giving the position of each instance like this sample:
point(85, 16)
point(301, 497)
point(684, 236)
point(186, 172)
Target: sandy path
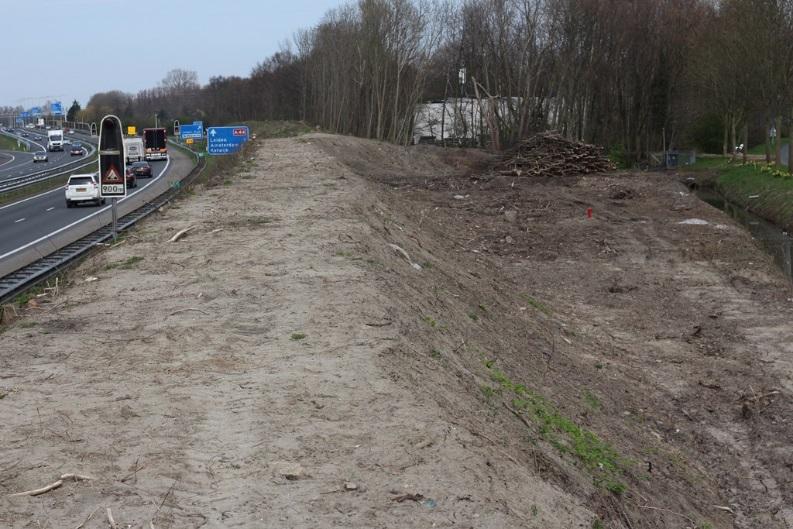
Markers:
point(232, 380)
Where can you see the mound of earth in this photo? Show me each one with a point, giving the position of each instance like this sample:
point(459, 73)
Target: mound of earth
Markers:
point(361, 335)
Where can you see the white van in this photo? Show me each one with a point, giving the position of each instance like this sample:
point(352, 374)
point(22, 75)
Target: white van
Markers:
point(54, 140)
point(133, 149)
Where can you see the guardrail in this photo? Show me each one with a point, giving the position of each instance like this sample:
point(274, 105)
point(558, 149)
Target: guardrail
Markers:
point(62, 249)
point(17, 182)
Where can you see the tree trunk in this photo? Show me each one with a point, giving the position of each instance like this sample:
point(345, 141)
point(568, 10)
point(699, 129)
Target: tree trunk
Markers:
point(724, 145)
point(745, 141)
point(767, 144)
point(778, 141)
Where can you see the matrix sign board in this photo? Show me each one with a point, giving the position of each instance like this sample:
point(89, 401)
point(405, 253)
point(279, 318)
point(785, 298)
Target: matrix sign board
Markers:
point(112, 163)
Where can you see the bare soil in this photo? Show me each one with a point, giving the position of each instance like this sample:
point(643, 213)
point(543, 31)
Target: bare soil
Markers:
point(349, 337)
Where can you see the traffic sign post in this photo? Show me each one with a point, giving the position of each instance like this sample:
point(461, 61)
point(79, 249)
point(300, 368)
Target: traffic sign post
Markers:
point(112, 163)
point(226, 140)
point(194, 131)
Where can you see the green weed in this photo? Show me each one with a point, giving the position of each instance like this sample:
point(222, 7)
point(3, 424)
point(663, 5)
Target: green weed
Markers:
point(429, 320)
point(537, 304)
point(596, 455)
point(124, 265)
point(297, 336)
point(591, 400)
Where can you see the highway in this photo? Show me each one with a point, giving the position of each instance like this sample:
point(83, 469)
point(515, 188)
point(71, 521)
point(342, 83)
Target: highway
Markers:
point(27, 225)
point(22, 162)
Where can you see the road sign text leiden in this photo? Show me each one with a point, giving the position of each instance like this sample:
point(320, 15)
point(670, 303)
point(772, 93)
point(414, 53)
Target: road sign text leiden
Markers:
point(226, 140)
point(112, 164)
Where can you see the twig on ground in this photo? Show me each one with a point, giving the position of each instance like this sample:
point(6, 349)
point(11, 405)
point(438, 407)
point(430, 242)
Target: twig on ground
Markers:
point(181, 233)
point(52, 486)
point(724, 508)
point(188, 310)
point(153, 516)
point(517, 414)
point(87, 519)
point(110, 519)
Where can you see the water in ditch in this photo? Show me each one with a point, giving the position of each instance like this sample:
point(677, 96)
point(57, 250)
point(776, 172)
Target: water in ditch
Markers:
point(774, 239)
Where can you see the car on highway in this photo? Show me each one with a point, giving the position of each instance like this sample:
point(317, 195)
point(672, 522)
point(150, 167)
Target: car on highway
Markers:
point(40, 156)
point(132, 180)
point(82, 188)
point(141, 169)
point(76, 150)
point(25, 135)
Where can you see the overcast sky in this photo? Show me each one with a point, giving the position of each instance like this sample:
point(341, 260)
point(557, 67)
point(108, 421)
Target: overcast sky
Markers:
point(72, 49)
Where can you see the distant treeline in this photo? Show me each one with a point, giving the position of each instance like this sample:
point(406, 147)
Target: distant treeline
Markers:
point(632, 75)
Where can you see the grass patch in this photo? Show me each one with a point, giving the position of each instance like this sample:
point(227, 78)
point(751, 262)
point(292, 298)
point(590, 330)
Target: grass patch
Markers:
point(297, 336)
point(595, 455)
point(537, 304)
point(760, 149)
point(474, 316)
point(591, 400)
point(761, 188)
point(429, 320)
point(126, 264)
point(10, 144)
point(22, 299)
point(707, 164)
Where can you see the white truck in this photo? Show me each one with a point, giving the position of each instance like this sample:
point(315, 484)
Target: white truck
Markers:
point(55, 140)
point(133, 149)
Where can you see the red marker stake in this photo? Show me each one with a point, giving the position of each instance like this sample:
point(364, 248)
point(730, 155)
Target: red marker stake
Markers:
point(589, 213)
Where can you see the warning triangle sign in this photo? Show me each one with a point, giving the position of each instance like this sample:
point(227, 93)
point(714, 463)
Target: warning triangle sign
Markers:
point(112, 175)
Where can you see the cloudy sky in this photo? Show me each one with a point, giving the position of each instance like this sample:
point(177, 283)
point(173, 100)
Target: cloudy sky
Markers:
point(70, 49)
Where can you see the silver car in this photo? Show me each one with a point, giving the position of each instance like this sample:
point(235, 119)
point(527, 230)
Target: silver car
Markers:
point(40, 156)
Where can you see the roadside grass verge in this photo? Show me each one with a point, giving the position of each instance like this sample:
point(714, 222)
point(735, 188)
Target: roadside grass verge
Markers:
point(10, 144)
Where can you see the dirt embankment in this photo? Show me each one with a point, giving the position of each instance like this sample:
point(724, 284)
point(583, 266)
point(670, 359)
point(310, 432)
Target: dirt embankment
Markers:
point(359, 335)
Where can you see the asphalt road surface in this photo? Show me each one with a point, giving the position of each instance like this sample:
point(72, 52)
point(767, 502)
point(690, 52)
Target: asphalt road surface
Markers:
point(36, 217)
point(22, 162)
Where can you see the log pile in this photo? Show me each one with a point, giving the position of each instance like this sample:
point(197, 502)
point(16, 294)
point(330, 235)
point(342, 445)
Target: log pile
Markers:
point(550, 155)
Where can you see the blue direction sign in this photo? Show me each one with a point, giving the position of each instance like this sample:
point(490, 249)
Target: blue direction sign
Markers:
point(35, 111)
point(56, 108)
point(20, 121)
point(226, 140)
point(24, 114)
point(194, 131)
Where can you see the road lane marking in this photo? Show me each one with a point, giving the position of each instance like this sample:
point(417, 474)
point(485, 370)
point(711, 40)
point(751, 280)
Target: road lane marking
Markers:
point(28, 245)
point(50, 208)
point(19, 220)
